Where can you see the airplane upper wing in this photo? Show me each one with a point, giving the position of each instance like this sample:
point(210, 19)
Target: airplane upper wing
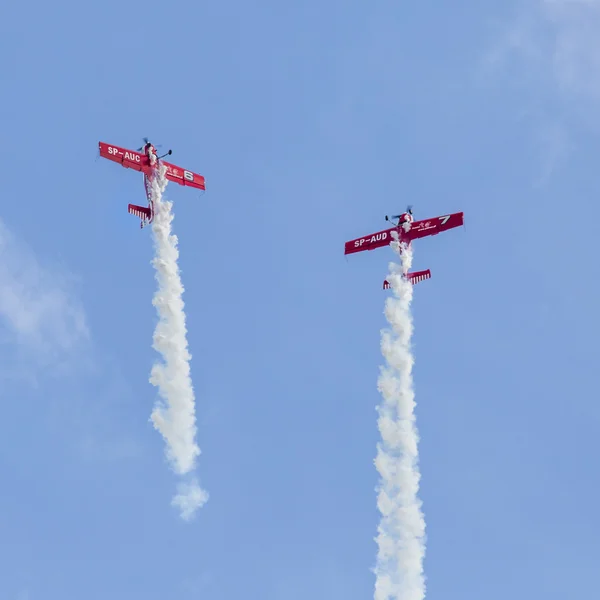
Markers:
point(420, 229)
point(127, 158)
point(370, 242)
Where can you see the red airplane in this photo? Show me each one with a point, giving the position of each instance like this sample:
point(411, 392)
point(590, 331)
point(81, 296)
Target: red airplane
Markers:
point(146, 160)
point(408, 230)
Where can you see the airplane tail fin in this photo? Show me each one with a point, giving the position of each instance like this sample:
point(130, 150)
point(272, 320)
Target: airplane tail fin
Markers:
point(142, 212)
point(414, 278)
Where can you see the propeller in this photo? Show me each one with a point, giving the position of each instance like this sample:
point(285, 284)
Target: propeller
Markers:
point(146, 140)
point(408, 210)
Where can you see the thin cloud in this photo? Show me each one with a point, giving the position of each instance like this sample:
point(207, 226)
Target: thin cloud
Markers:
point(519, 39)
point(555, 147)
point(110, 449)
point(39, 316)
point(576, 47)
point(550, 52)
point(556, 43)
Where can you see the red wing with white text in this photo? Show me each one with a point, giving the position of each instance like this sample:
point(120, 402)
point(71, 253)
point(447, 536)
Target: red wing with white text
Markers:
point(417, 230)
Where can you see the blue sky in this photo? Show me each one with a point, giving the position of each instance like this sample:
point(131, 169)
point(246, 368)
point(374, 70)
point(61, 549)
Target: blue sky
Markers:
point(310, 122)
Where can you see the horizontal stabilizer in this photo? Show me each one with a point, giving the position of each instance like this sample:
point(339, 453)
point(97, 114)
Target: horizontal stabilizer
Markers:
point(139, 211)
point(415, 277)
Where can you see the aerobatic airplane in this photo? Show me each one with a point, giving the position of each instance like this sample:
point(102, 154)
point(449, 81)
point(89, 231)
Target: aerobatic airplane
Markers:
point(145, 159)
point(408, 230)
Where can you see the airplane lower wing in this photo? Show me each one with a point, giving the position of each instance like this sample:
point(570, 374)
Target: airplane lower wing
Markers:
point(414, 278)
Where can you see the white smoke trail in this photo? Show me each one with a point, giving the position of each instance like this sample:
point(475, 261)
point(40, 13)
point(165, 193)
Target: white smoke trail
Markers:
point(174, 417)
point(401, 531)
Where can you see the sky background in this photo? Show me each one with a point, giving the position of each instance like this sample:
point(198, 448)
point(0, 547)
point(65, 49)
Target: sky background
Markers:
point(310, 121)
